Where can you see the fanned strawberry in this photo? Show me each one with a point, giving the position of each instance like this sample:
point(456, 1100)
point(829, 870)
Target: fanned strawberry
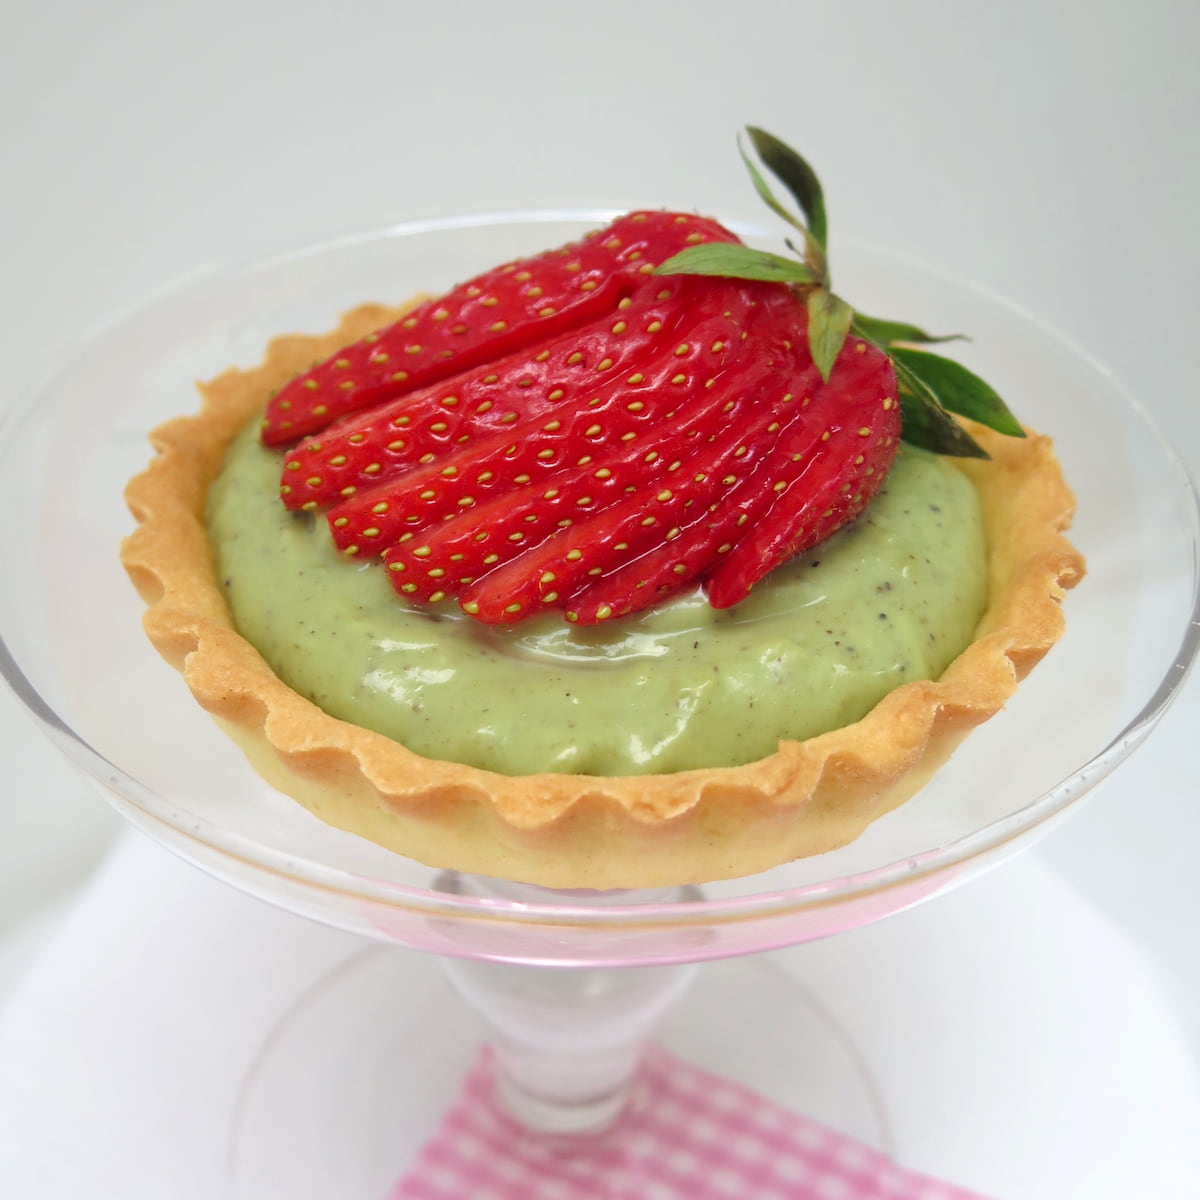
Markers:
point(531, 545)
point(519, 304)
point(502, 398)
point(794, 464)
point(576, 433)
point(657, 518)
point(488, 500)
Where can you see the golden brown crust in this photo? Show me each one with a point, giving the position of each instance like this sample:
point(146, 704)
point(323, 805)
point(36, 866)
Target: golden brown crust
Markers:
point(568, 830)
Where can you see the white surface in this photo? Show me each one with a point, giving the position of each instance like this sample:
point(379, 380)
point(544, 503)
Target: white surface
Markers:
point(1011, 1037)
point(1046, 150)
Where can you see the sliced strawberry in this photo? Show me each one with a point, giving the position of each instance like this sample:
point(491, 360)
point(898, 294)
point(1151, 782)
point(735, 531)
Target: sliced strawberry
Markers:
point(504, 398)
point(627, 440)
point(491, 500)
point(592, 429)
point(489, 402)
point(792, 461)
point(516, 305)
point(816, 493)
point(672, 494)
point(565, 524)
point(713, 530)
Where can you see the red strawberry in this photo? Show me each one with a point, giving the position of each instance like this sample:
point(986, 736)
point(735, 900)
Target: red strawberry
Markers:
point(576, 432)
point(531, 544)
point(657, 519)
point(591, 448)
point(612, 496)
point(501, 399)
point(605, 468)
point(791, 466)
point(519, 304)
point(816, 488)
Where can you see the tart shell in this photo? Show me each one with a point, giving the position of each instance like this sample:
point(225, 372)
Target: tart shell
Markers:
point(578, 831)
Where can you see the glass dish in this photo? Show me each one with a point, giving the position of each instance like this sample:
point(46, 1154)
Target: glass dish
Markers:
point(69, 447)
point(73, 650)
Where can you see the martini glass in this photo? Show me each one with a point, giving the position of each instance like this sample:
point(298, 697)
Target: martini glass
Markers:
point(568, 987)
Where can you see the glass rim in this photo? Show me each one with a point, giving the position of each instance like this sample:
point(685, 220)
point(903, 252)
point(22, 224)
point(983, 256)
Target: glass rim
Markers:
point(574, 912)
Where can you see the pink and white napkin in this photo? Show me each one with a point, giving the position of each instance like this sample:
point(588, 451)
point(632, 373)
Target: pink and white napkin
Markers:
point(688, 1135)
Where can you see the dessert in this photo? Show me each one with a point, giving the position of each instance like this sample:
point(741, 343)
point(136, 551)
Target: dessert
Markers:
point(654, 400)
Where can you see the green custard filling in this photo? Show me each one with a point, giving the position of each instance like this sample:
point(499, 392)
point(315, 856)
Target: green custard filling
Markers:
point(893, 598)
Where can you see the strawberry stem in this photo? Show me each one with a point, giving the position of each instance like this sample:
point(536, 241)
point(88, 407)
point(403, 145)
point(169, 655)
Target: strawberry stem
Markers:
point(931, 387)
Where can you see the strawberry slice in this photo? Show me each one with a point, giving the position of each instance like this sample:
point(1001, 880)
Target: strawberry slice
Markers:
point(816, 490)
point(627, 491)
point(490, 499)
point(789, 460)
point(714, 529)
point(789, 468)
point(519, 304)
point(726, 542)
point(363, 451)
point(500, 399)
point(658, 517)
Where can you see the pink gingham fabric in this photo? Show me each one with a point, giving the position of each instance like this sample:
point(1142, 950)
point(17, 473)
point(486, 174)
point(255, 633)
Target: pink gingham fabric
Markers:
point(688, 1135)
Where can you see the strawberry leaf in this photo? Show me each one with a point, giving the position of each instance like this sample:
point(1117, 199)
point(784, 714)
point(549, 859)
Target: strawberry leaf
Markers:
point(814, 253)
point(886, 333)
point(797, 176)
point(768, 197)
point(735, 262)
point(958, 389)
point(931, 387)
point(829, 318)
point(926, 423)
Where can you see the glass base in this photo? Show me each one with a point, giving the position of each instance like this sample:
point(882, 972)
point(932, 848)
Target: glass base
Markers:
point(357, 1075)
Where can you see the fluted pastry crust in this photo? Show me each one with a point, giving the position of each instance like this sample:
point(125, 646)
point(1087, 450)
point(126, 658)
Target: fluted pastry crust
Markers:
point(573, 830)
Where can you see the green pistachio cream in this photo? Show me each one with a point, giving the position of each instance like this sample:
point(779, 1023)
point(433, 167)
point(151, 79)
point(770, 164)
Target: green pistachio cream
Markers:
point(896, 596)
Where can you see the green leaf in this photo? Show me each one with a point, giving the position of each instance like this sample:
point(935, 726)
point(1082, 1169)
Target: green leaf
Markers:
point(931, 388)
point(799, 178)
point(829, 319)
point(927, 424)
point(885, 333)
point(763, 189)
point(959, 390)
point(735, 261)
point(814, 252)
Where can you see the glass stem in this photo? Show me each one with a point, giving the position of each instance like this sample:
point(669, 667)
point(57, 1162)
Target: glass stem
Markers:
point(567, 1040)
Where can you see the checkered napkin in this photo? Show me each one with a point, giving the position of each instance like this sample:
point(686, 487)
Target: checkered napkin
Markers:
point(688, 1135)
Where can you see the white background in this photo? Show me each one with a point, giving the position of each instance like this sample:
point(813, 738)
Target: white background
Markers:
point(1047, 150)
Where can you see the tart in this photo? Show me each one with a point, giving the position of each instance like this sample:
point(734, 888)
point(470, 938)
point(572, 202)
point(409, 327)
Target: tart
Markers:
point(585, 830)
